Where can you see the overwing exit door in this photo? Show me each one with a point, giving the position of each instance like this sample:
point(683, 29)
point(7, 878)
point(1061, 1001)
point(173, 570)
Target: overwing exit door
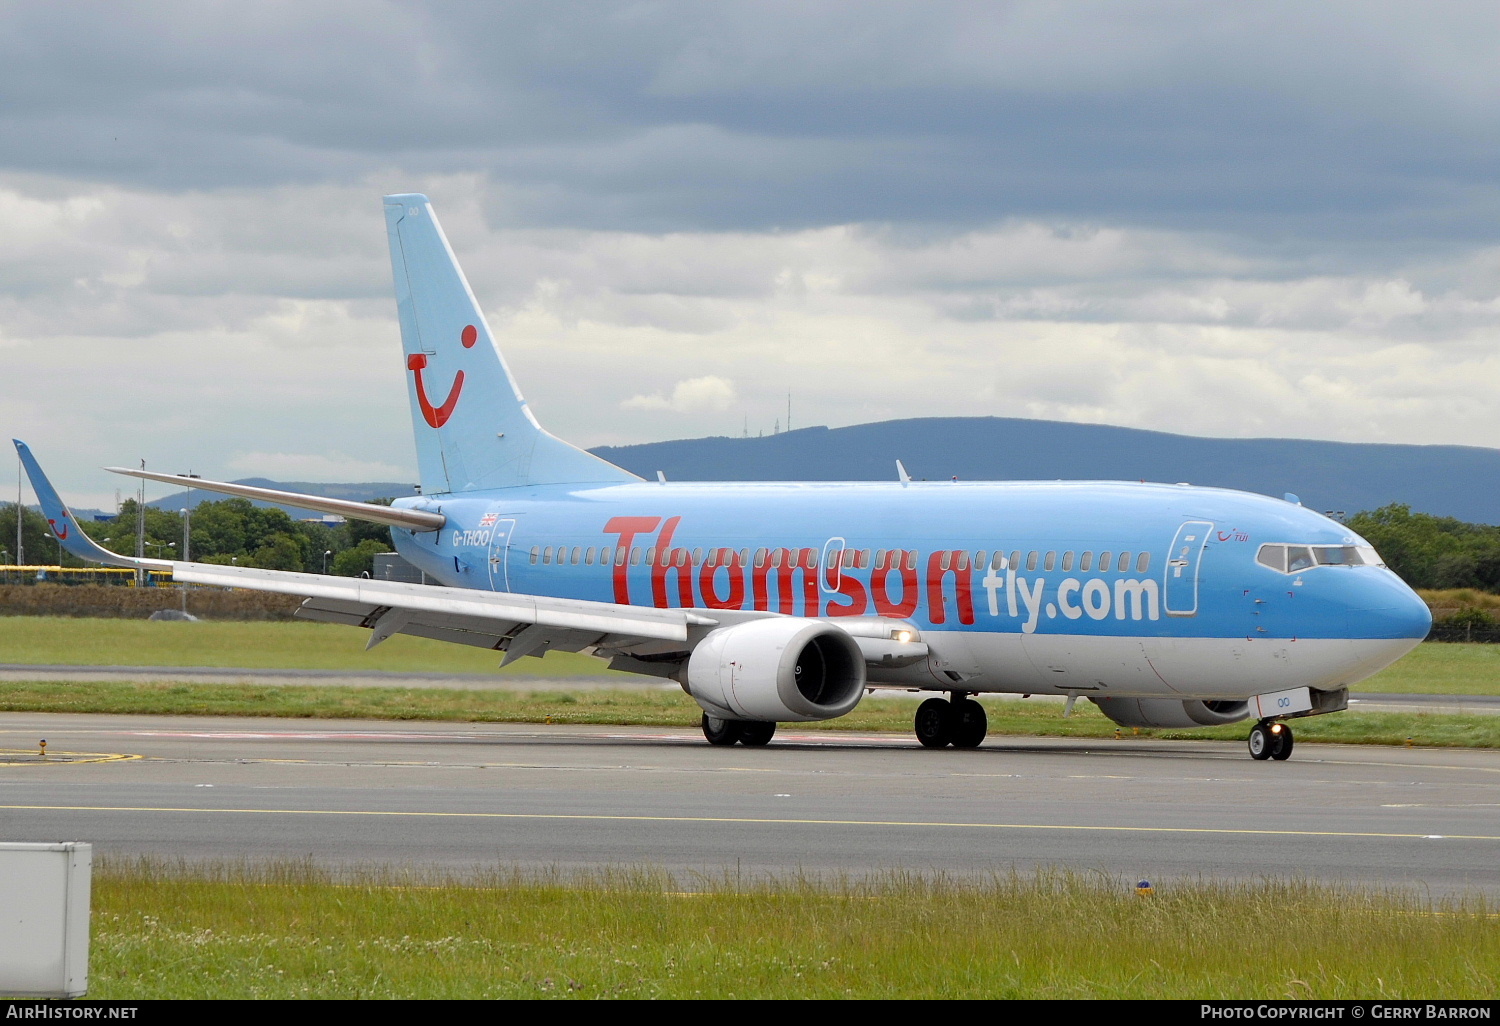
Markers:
point(499, 554)
point(1184, 559)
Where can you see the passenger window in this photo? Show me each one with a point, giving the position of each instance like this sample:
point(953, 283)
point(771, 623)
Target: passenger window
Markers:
point(577, 554)
point(997, 562)
point(1014, 561)
point(945, 560)
point(864, 559)
point(588, 556)
point(536, 553)
point(979, 558)
point(760, 557)
point(1086, 562)
point(1051, 562)
point(1298, 557)
point(911, 560)
point(1124, 564)
point(635, 555)
point(962, 563)
point(1031, 558)
point(697, 557)
point(651, 555)
point(1104, 562)
point(1067, 563)
point(1143, 562)
point(547, 555)
point(606, 555)
point(744, 557)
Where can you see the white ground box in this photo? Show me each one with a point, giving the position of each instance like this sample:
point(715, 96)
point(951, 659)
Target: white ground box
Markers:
point(44, 918)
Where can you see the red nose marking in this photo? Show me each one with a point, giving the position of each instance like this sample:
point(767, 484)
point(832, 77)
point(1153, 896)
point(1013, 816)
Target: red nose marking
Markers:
point(469, 337)
point(436, 416)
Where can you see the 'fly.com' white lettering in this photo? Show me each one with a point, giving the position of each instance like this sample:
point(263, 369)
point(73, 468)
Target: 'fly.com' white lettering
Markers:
point(1130, 598)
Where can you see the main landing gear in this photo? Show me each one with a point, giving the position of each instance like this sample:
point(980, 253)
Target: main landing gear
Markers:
point(1271, 739)
point(960, 722)
point(750, 733)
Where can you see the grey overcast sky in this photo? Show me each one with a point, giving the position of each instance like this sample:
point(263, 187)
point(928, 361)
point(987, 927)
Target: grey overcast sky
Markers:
point(1213, 218)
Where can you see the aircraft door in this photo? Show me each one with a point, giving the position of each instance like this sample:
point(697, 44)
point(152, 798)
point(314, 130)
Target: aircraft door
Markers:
point(499, 553)
point(1180, 588)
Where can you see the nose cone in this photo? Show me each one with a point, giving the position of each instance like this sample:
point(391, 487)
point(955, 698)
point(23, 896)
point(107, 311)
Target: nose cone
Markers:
point(1387, 608)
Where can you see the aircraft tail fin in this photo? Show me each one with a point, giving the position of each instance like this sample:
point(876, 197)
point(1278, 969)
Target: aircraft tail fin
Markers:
point(472, 426)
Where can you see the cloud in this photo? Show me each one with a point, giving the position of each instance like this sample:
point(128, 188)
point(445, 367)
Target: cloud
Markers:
point(304, 466)
point(691, 396)
point(1231, 219)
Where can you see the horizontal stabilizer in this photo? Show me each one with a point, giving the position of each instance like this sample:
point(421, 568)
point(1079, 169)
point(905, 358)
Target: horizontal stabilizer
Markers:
point(411, 519)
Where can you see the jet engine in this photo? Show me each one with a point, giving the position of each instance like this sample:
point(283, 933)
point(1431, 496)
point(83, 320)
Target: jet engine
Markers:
point(781, 668)
point(1170, 712)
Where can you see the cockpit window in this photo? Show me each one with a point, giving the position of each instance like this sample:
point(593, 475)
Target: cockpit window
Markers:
point(1290, 559)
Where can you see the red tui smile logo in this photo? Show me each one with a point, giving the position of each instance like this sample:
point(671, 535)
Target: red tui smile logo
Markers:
point(437, 416)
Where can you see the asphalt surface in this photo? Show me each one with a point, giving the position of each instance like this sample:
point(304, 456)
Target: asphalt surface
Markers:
point(460, 797)
point(495, 682)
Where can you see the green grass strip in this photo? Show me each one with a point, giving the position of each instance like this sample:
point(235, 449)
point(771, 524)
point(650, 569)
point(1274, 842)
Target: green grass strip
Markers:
point(663, 707)
point(288, 931)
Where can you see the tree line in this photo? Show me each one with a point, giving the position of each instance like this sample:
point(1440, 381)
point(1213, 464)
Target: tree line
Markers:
point(1426, 551)
point(1433, 552)
point(223, 531)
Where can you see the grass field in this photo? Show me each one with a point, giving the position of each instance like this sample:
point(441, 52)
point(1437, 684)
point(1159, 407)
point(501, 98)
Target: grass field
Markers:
point(664, 707)
point(1431, 669)
point(44, 640)
point(166, 931)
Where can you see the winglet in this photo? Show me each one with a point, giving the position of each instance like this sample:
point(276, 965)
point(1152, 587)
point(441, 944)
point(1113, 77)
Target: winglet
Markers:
point(65, 526)
point(902, 474)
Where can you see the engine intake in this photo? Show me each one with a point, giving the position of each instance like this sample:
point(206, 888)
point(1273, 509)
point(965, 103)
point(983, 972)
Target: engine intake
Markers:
point(1170, 712)
point(781, 668)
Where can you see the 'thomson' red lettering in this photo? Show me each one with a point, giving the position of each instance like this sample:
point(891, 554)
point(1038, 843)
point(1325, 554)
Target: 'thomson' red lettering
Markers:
point(957, 564)
point(627, 528)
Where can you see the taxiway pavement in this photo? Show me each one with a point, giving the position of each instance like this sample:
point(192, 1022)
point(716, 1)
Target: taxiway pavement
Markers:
point(463, 796)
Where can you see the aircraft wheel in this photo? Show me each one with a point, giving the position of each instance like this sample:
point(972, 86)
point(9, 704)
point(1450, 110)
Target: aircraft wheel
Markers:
point(754, 733)
point(1281, 742)
point(969, 723)
point(934, 723)
point(1260, 742)
point(722, 732)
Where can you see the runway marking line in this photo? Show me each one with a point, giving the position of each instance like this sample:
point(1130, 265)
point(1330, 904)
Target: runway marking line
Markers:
point(749, 820)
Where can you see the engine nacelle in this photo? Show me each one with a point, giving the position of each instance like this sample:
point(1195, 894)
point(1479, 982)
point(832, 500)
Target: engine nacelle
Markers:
point(781, 668)
point(1170, 712)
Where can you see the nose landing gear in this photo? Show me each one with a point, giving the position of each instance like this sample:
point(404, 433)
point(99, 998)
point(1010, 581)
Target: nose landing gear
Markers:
point(1271, 739)
point(960, 722)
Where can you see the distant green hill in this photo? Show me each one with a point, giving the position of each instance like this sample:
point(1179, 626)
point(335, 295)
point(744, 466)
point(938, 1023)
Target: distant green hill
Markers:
point(1446, 480)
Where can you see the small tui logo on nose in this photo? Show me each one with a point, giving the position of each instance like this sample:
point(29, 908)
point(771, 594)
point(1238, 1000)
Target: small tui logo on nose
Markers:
point(437, 416)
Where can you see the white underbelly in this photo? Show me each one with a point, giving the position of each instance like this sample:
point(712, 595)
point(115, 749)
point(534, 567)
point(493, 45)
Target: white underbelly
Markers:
point(1178, 667)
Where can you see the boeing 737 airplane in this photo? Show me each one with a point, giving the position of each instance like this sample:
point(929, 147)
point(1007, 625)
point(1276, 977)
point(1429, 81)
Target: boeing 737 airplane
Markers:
point(1165, 605)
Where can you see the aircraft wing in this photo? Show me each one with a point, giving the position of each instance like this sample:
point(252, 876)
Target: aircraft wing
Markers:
point(515, 624)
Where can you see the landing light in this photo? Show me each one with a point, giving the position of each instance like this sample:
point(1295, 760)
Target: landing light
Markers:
point(902, 636)
point(1276, 728)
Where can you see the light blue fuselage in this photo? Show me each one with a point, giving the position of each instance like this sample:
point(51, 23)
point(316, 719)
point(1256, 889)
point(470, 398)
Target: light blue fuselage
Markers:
point(528, 546)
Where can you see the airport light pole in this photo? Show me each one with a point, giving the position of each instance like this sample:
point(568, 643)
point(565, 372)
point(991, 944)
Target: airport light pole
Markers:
point(187, 515)
point(326, 554)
